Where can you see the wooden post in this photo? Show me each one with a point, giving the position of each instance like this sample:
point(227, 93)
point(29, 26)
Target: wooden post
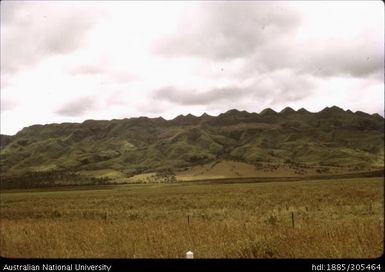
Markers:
point(292, 219)
point(188, 220)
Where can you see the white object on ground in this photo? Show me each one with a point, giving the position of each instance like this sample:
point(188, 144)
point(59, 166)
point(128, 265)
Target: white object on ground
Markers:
point(189, 255)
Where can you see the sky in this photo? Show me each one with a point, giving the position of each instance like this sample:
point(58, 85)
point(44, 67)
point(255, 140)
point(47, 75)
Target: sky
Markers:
point(71, 61)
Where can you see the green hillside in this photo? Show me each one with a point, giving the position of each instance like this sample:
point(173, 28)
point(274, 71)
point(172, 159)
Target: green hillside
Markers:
point(72, 152)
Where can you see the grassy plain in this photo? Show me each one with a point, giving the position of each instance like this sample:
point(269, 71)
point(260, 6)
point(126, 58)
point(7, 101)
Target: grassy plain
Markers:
point(340, 218)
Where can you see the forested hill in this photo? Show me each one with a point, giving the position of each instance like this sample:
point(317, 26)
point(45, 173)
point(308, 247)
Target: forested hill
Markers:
point(331, 137)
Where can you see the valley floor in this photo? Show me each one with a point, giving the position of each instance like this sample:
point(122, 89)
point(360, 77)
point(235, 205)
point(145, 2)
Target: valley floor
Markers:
point(228, 169)
point(334, 218)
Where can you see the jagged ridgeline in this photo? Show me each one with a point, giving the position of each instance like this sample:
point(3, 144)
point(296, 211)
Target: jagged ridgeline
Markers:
point(77, 152)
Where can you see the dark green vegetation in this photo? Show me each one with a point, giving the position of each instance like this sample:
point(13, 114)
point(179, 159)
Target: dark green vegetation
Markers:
point(340, 218)
point(100, 151)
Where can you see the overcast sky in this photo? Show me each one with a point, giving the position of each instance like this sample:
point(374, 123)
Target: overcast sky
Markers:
point(76, 60)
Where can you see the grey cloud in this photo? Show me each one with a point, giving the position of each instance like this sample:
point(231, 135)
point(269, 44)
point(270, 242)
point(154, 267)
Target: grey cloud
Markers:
point(122, 77)
point(276, 88)
point(87, 70)
point(154, 108)
point(359, 58)
point(335, 60)
point(9, 10)
point(5, 81)
point(32, 31)
point(116, 98)
point(262, 34)
point(225, 30)
point(77, 107)
point(355, 60)
point(7, 104)
point(290, 87)
point(193, 97)
point(104, 70)
point(377, 76)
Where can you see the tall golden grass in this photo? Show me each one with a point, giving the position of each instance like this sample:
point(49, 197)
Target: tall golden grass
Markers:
point(332, 219)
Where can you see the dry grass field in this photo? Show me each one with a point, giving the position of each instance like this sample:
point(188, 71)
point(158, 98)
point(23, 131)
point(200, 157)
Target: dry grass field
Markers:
point(332, 219)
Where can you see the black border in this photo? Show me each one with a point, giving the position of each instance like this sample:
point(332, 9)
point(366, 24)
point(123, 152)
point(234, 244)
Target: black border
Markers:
point(265, 265)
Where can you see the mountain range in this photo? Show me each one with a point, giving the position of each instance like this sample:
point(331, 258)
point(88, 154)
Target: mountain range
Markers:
point(331, 138)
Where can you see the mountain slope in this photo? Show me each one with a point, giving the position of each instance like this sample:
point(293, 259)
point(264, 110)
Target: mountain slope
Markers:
point(330, 138)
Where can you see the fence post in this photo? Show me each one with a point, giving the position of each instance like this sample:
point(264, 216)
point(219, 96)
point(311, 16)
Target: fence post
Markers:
point(292, 219)
point(189, 255)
